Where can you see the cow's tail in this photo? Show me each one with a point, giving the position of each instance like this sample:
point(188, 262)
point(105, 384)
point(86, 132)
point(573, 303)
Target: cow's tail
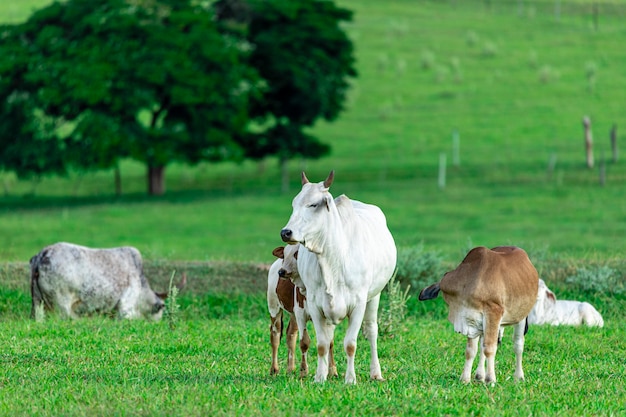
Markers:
point(38, 299)
point(525, 326)
point(35, 290)
point(430, 292)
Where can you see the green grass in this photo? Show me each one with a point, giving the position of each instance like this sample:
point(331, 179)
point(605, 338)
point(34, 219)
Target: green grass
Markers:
point(221, 367)
point(216, 361)
point(219, 223)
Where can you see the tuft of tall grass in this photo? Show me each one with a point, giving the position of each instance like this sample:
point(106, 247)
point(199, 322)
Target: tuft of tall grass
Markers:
point(417, 267)
point(598, 278)
point(172, 308)
point(395, 309)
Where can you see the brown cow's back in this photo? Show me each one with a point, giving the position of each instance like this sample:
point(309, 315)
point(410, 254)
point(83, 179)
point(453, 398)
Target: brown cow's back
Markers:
point(493, 276)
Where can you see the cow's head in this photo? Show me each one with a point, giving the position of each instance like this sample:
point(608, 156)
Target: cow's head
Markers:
point(154, 302)
point(546, 300)
point(310, 206)
point(289, 270)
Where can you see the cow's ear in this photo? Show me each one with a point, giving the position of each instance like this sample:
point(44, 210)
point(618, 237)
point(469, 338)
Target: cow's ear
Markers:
point(162, 295)
point(279, 252)
point(550, 295)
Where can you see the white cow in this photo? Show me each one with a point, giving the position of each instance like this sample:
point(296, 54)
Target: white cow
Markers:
point(549, 310)
point(79, 281)
point(351, 256)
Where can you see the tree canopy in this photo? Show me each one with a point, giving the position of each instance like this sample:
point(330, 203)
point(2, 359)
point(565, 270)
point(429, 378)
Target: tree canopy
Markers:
point(84, 83)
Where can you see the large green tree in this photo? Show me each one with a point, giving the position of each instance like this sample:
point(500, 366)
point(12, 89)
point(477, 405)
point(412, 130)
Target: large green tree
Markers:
point(305, 59)
point(86, 82)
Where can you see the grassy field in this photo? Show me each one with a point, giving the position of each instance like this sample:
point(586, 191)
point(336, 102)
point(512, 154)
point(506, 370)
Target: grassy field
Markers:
point(216, 362)
point(510, 78)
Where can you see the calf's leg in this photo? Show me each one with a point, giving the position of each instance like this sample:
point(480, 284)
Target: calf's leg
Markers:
point(292, 338)
point(276, 328)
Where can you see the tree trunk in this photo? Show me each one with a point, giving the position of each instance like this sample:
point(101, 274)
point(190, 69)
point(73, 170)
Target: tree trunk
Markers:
point(118, 180)
point(156, 180)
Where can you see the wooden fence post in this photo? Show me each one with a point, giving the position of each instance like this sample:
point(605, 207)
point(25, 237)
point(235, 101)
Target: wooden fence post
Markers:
point(456, 148)
point(588, 141)
point(442, 171)
point(551, 165)
point(614, 141)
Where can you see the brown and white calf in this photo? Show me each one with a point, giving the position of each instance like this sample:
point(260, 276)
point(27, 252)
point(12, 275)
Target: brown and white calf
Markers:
point(78, 281)
point(549, 310)
point(285, 292)
point(489, 289)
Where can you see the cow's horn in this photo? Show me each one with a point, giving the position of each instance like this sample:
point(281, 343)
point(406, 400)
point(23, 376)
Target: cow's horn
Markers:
point(329, 181)
point(305, 180)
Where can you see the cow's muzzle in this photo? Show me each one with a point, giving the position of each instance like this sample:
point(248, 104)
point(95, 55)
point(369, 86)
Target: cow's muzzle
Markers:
point(287, 235)
point(283, 274)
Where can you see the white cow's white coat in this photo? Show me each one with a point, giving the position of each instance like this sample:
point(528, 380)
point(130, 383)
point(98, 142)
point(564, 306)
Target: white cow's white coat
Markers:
point(351, 256)
point(549, 310)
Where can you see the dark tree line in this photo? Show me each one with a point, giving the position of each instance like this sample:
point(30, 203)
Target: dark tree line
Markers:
point(85, 83)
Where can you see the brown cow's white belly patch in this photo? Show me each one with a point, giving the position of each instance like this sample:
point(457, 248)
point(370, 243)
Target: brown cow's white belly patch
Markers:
point(467, 321)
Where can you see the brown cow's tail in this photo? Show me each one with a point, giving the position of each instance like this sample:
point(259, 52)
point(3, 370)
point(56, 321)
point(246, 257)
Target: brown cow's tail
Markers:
point(429, 293)
point(525, 326)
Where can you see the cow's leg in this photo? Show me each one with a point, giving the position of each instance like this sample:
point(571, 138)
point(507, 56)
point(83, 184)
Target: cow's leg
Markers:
point(480, 369)
point(65, 302)
point(470, 353)
point(349, 342)
point(491, 329)
point(332, 371)
point(305, 342)
point(276, 328)
point(324, 333)
point(518, 347)
point(370, 331)
point(292, 338)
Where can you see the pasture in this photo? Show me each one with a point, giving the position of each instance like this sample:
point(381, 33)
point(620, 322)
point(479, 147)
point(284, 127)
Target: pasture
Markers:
point(510, 78)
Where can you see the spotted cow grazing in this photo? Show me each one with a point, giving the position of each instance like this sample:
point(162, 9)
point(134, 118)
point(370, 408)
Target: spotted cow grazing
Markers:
point(489, 289)
point(286, 292)
point(79, 281)
point(549, 310)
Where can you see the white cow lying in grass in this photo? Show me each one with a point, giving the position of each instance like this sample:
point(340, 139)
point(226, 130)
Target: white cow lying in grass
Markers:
point(549, 310)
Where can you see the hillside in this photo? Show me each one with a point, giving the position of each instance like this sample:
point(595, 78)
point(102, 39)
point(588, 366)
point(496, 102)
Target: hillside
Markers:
point(513, 82)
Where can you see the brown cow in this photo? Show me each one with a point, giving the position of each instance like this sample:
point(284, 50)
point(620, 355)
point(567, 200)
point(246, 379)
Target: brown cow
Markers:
point(489, 289)
point(286, 292)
